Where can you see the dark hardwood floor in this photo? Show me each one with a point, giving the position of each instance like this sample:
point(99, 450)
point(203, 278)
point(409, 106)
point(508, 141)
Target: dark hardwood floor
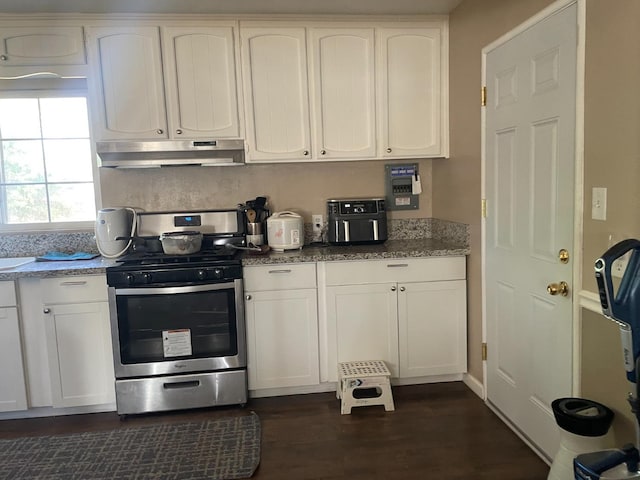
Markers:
point(438, 431)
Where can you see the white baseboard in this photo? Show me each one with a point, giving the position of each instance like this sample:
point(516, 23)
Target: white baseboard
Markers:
point(474, 385)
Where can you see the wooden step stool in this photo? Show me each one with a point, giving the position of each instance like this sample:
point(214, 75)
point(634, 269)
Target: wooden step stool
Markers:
point(364, 374)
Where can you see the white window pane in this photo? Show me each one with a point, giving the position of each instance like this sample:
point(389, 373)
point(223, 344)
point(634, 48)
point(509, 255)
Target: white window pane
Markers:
point(68, 160)
point(64, 117)
point(26, 204)
point(22, 161)
point(19, 118)
point(72, 202)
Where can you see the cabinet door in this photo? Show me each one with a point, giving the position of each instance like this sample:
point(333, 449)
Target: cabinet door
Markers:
point(200, 68)
point(127, 84)
point(80, 355)
point(342, 62)
point(432, 325)
point(365, 321)
point(410, 91)
point(34, 46)
point(13, 394)
point(274, 69)
point(282, 338)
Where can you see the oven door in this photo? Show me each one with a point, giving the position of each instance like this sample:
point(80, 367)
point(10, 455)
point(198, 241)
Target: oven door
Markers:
point(168, 330)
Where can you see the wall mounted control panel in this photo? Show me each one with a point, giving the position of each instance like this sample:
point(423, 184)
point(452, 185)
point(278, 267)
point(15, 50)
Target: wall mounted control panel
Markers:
point(403, 186)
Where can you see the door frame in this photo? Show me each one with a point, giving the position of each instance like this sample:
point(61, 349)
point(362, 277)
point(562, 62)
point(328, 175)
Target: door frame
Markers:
point(579, 182)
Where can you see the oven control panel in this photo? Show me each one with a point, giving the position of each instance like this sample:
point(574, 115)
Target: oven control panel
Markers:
point(203, 274)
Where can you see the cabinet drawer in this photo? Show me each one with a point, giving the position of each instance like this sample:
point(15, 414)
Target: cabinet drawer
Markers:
point(279, 277)
point(7, 294)
point(80, 289)
point(395, 270)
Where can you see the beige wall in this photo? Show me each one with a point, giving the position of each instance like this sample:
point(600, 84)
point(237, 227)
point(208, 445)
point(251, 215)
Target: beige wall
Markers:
point(456, 182)
point(611, 160)
point(302, 187)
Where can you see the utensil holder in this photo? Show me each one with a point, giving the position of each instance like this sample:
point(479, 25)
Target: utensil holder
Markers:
point(255, 233)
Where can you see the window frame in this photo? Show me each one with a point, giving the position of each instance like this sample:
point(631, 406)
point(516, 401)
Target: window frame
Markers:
point(51, 92)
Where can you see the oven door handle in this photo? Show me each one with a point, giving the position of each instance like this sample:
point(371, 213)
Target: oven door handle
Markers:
point(170, 290)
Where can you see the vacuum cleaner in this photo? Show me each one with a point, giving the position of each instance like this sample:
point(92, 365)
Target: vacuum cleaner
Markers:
point(622, 307)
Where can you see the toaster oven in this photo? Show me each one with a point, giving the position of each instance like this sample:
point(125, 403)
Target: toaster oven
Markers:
point(356, 221)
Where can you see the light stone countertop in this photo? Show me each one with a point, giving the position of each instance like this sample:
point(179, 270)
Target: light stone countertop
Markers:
point(60, 268)
point(427, 247)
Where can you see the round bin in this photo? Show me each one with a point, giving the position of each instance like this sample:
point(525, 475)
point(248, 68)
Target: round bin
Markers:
point(584, 425)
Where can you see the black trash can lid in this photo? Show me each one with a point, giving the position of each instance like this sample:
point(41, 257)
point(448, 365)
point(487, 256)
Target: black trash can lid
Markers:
point(582, 417)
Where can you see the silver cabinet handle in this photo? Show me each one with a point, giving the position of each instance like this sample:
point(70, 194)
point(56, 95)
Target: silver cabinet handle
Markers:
point(280, 271)
point(393, 289)
point(4, 58)
point(73, 284)
point(323, 152)
point(402, 289)
point(159, 131)
point(179, 131)
point(46, 310)
point(397, 265)
point(248, 297)
point(306, 152)
point(389, 150)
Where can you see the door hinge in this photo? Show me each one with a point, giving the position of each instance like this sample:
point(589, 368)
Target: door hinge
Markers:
point(483, 96)
point(484, 208)
point(484, 351)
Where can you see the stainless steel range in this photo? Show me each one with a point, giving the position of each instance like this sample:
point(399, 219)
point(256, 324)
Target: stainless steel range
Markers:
point(177, 321)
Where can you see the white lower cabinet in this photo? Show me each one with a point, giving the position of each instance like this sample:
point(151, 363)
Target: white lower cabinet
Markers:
point(13, 393)
point(78, 340)
point(282, 326)
point(411, 313)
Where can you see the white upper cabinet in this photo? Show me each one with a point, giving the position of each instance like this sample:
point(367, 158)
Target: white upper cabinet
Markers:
point(274, 65)
point(412, 80)
point(41, 46)
point(126, 68)
point(343, 92)
point(201, 80)
point(193, 96)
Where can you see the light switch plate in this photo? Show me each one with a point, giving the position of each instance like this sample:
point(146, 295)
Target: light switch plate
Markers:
point(599, 203)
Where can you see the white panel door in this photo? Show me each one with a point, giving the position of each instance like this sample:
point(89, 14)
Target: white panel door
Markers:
point(80, 355)
point(202, 99)
point(343, 92)
point(127, 83)
point(13, 393)
point(529, 159)
point(282, 338)
point(432, 328)
point(410, 91)
point(274, 68)
point(366, 323)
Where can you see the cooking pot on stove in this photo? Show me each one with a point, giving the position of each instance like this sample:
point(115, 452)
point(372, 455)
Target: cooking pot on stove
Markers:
point(285, 231)
point(181, 243)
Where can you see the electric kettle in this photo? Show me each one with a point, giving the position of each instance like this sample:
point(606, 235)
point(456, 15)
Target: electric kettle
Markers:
point(112, 223)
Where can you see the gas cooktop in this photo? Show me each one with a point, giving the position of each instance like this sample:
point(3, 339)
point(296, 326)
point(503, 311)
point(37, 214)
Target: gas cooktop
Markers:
point(212, 254)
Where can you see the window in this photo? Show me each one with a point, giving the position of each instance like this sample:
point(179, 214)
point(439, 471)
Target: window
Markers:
point(46, 161)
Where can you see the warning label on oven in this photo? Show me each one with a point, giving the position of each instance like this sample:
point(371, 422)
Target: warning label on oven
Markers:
point(176, 343)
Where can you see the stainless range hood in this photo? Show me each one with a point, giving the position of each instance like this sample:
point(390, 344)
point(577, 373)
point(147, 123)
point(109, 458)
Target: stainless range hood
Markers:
point(130, 154)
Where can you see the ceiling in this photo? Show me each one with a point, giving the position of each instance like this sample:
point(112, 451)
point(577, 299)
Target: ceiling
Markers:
point(304, 7)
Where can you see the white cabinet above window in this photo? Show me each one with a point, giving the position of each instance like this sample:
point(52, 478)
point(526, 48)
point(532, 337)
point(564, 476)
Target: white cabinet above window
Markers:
point(41, 46)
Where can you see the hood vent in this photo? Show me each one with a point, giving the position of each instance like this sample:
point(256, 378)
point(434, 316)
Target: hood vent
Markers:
point(170, 153)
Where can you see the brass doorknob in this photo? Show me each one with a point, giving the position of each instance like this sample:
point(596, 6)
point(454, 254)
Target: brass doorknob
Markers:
point(561, 288)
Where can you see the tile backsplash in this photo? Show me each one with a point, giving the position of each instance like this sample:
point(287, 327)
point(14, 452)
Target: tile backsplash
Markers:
point(36, 244)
